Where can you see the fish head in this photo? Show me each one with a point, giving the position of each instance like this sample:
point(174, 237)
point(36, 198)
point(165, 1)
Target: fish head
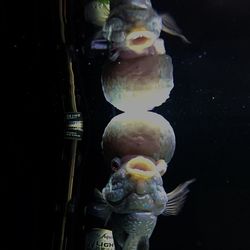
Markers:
point(133, 28)
point(136, 185)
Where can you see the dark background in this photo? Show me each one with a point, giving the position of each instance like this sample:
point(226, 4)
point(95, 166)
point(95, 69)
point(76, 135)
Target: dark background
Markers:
point(209, 110)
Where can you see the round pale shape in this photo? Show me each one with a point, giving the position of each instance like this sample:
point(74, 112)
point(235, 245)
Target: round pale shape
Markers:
point(138, 84)
point(146, 133)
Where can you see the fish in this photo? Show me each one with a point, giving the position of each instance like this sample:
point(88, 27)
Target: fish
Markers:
point(133, 199)
point(134, 26)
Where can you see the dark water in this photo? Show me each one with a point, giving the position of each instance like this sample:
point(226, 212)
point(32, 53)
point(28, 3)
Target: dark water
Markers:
point(209, 110)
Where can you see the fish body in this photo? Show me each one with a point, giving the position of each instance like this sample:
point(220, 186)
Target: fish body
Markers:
point(135, 197)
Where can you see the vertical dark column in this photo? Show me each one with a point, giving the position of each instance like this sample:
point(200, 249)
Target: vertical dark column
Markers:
point(69, 223)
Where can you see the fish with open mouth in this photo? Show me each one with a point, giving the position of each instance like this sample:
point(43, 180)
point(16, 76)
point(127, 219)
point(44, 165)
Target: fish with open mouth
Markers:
point(139, 73)
point(133, 199)
point(133, 27)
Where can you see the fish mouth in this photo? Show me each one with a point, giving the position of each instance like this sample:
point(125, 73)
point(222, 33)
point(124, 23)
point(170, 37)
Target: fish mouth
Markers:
point(139, 40)
point(141, 168)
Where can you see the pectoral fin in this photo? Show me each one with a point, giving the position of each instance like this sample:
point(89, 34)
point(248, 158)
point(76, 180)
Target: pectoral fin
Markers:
point(176, 198)
point(169, 26)
point(100, 208)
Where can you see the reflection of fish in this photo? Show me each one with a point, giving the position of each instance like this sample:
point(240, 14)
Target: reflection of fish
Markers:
point(134, 197)
point(135, 25)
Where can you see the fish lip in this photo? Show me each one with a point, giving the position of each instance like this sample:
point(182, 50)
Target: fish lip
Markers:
point(147, 39)
point(140, 168)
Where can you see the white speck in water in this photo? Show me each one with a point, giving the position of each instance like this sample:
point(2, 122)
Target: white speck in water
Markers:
point(89, 63)
point(243, 106)
point(15, 46)
point(198, 91)
point(213, 97)
point(202, 55)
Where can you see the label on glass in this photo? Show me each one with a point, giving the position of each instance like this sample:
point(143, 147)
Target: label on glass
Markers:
point(73, 126)
point(99, 239)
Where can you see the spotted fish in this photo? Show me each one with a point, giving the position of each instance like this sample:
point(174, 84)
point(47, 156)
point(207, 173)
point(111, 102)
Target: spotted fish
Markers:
point(133, 199)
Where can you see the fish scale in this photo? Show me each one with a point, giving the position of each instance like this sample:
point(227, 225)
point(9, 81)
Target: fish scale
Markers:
point(136, 225)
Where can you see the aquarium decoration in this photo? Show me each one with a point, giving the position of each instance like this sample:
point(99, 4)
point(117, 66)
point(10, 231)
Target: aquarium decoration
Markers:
point(138, 144)
point(74, 129)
